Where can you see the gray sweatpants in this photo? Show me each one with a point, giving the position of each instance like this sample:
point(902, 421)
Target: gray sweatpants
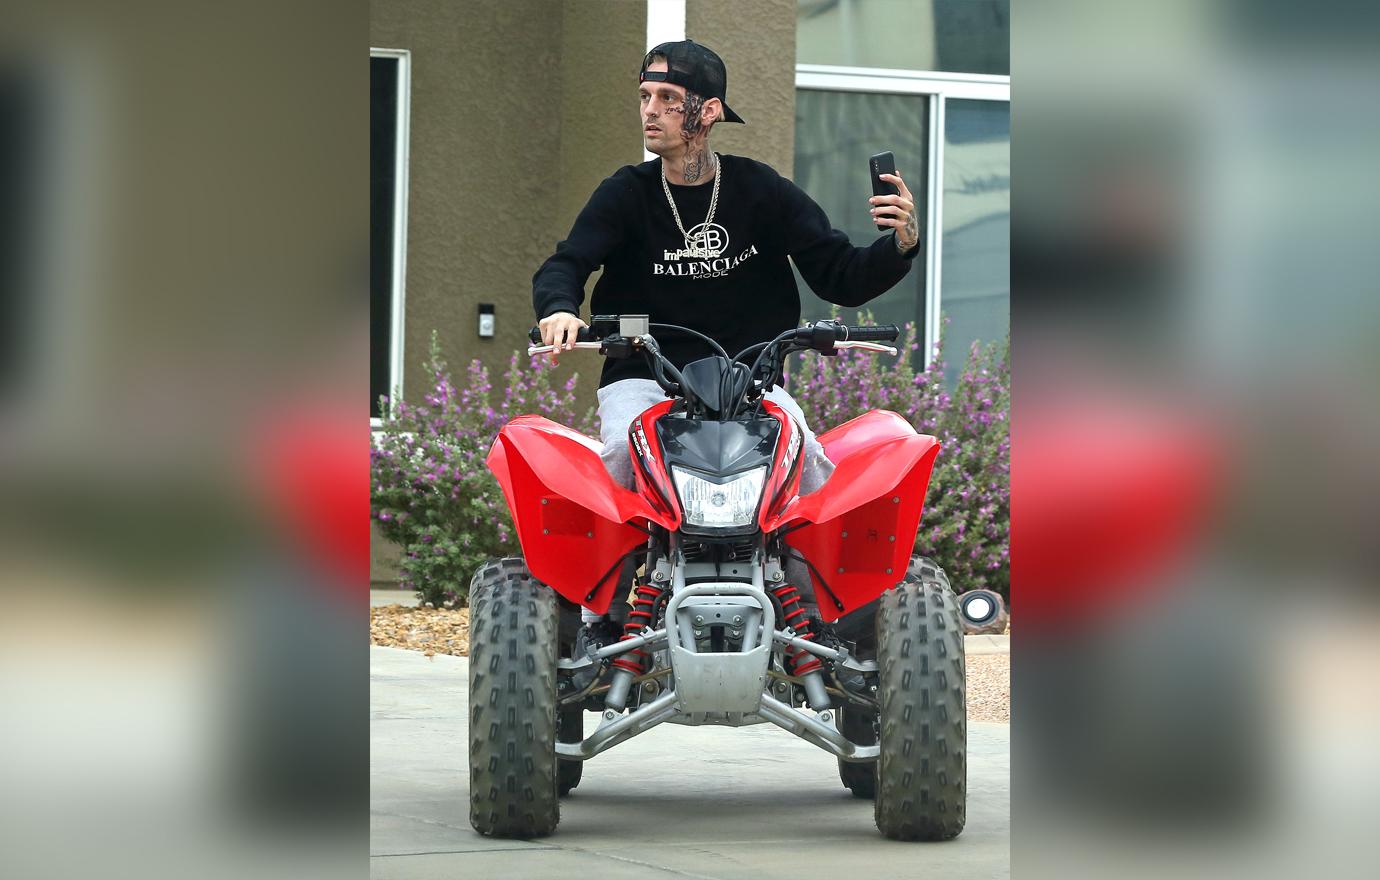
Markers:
point(623, 401)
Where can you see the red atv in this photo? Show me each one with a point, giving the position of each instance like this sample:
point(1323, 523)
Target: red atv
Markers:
point(716, 633)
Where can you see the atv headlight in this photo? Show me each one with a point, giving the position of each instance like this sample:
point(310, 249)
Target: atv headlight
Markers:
point(728, 504)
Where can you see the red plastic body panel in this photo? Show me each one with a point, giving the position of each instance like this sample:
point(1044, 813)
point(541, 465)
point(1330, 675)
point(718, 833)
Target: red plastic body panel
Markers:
point(649, 467)
point(784, 483)
point(575, 523)
point(572, 519)
point(1113, 495)
point(304, 462)
point(862, 523)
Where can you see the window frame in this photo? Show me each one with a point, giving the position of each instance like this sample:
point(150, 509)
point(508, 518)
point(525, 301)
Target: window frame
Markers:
point(938, 87)
point(398, 282)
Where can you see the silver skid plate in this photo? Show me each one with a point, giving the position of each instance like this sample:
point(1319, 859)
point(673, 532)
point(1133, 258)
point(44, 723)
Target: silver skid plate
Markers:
point(721, 682)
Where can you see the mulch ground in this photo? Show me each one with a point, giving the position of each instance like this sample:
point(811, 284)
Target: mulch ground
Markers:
point(429, 630)
point(441, 631)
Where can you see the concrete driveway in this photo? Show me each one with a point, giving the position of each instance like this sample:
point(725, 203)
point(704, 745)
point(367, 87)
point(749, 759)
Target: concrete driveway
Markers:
point(680, 801)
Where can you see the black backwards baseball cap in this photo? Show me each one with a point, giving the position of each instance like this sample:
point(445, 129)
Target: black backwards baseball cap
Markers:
point(695, 67)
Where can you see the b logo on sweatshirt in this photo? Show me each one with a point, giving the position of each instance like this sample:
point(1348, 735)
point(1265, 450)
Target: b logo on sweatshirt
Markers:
point(704, 242)
point(710, 239)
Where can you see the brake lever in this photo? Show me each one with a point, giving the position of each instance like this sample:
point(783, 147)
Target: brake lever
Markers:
point(543, 349)
point(867, 346)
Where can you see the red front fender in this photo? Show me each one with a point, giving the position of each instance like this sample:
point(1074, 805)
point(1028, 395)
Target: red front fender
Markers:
point(572, 519)
point(861, 525)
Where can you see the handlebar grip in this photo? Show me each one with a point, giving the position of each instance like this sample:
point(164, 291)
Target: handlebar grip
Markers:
point(585, 335)
point(879, 333)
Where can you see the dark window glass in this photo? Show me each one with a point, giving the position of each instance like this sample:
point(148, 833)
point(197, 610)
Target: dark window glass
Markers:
point(20, 125)
point(975, 279)
point(957, 36)
point(835, 134)
point(383, 126)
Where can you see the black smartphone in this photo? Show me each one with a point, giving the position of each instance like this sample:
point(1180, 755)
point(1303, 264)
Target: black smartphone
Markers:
point(882, 163)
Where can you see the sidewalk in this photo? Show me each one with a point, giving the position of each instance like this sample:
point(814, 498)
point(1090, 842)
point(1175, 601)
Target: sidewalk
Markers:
point(986, 645)
point(753, 802)
point(379, 598)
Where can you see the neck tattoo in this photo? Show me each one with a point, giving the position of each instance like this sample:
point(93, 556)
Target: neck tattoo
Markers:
point(694, 166)
point(698, 247)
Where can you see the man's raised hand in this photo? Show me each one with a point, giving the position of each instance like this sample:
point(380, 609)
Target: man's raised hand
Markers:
point(898, 212)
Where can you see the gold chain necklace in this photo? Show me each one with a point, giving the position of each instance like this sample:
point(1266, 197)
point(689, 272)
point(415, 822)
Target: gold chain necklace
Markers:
point(700, 251)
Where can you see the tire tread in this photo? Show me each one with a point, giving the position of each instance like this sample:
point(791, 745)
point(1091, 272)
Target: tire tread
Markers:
point(513, 766)
point(922, 771)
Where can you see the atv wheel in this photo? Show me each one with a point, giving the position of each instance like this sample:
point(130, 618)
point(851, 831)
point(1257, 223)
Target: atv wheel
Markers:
point(859, 725)
point(572, 730)
point(513, 768)
point(922, 773)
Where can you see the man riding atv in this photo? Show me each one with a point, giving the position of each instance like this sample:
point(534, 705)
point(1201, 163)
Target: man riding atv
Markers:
point(705, 241)
point(729, 567)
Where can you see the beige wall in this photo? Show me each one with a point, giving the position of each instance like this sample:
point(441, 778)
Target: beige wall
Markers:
point(383, 559)
point(602, 44)
point(509, 135)
point(516, 115)
point(757, 43)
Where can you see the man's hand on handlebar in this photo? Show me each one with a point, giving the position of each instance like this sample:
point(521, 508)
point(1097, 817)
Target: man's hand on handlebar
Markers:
point(560, 330)
point(564, 331)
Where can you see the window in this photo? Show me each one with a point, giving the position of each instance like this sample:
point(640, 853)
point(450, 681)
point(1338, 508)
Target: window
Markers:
point(388, 129)
point(836, 132)
point(951, 136)
point(21, 129)
point(977, 226)
point(957, 36)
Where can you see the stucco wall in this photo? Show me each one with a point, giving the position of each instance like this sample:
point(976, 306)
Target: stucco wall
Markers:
point(517, 114)
point(518, 110)
point(383, 559)
point(602, 43)
point(485, 139)
point(757, 43)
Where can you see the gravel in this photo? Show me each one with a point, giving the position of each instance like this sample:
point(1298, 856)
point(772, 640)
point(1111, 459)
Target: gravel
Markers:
point(989, 688)
point(442, 631)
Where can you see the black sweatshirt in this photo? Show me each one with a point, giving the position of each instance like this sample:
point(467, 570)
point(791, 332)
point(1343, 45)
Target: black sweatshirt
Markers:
point(742, 292)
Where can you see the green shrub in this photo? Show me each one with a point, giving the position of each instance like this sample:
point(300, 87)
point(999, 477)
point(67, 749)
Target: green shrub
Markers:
point(431, 492)
point(966, 525)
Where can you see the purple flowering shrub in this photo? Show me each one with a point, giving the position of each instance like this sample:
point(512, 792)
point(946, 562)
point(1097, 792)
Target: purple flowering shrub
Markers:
point(430, 490)
point(966, 525)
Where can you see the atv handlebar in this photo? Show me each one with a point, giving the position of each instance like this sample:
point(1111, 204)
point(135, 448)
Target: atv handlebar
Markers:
point(825, 337)
point(844, 333)
point(880, 333)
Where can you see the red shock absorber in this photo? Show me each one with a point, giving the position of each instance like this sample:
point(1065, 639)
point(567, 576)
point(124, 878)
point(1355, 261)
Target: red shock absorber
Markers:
point(644, 603)
point(793, 615)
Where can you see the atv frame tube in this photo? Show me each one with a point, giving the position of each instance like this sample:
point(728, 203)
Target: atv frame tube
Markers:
point(819, 730)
